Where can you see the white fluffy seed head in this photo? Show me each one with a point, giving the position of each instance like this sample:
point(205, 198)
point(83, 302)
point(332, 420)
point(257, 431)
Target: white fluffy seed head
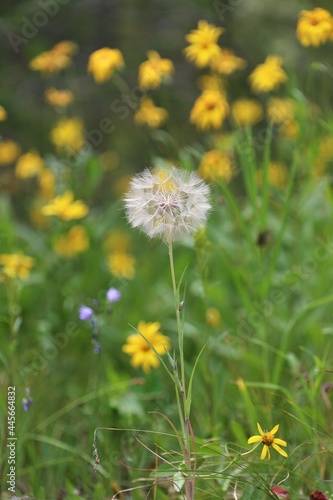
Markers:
point(167, 203)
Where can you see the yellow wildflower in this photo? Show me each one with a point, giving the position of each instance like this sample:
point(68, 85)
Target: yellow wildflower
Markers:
point(325, 155)
point(314, 27)
point(68, 134)
point(277, 175)
point(141, 351)
point(268, 439)
point(215, 166)
point(9, 151)
point(117, 241)
point(28, 165)
point(268, 75)
point(226, 62)
point(209, 110)
point(54, 60)
point(64, 207)
point(46, 181)
point(246, 112)
point(289, 129)
point(103, 62)
point(59, 98)
point(149, 114)
point(280, 110)
point(3, 114)
point(213, 317)
point(203, 44)
point(121, 265)
point(74, 242)
point(109, 160)
point(212, 82)
point(16, 265)
point(152, 71)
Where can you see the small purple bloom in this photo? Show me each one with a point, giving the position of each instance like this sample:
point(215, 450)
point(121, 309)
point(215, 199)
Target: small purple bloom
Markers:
point(85, 313)
point(97, 348)
point(113, 295)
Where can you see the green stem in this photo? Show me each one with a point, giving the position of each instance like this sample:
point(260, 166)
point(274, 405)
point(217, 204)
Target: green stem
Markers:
point(185, 423)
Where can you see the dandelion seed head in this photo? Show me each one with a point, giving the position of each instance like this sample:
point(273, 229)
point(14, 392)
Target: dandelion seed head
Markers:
point(167, 203)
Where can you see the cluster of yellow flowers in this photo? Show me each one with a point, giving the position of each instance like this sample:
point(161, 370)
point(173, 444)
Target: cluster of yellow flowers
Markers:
point(15, 265)
point(315, 27)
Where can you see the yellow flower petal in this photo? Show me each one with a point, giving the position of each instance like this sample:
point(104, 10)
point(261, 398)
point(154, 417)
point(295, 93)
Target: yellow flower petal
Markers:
point(254, 439)
point(265, 451)
point(280, 441)
point(278, 449)
point(275, 429)
point(260, 429)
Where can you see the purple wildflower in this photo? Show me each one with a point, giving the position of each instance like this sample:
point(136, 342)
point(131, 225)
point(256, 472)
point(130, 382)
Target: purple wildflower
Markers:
point(113, 295)
point(85, 313)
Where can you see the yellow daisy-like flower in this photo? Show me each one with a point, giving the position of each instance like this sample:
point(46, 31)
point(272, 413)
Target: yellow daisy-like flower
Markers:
point(314, 27)
point(212, 82)
point(277, 175)
point(216, 165)
point(103, 62)
point(29, 165)
point(64, 207)
point(121, 264)
point(268, 439)
point(16, 265)
point(74, 242)
point(46, 181)
point(149, 114)
point(203, 44)
point(141, 352)
point(268, 75)
point(54, 60)
point(280, 110)
point(226, 62)
point(152, 71)
point(246, 112)
point(3, 114)
point(9, 151)
point(68, 134)
point(209, 110)
point(60, 98)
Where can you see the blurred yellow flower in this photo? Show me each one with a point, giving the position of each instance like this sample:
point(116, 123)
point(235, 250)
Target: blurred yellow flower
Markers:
point(9, 151)
point(213, 317)
point(246, 112)
point(212, 82)
point(103, 62)
point(16, 265)
point(68, 134)
point(226, 62)
point(59, 98)
point(152, 71)
point(117, 241)
point(3, 114)
point(29, 165)
point(64, 207)
point(325, 155)
point(109, 160)
point(268, 75)
point(314, 27)
point(289, 129)
point(203, 44)
point(74, 242)
point(54, 60)
point(209, 110)
point(141, 352)
point(268, 439)
point(280, 110)
point(46, 181)
point(149, 114)
point(215, 166)
point(121, 265)
point(277, 175)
